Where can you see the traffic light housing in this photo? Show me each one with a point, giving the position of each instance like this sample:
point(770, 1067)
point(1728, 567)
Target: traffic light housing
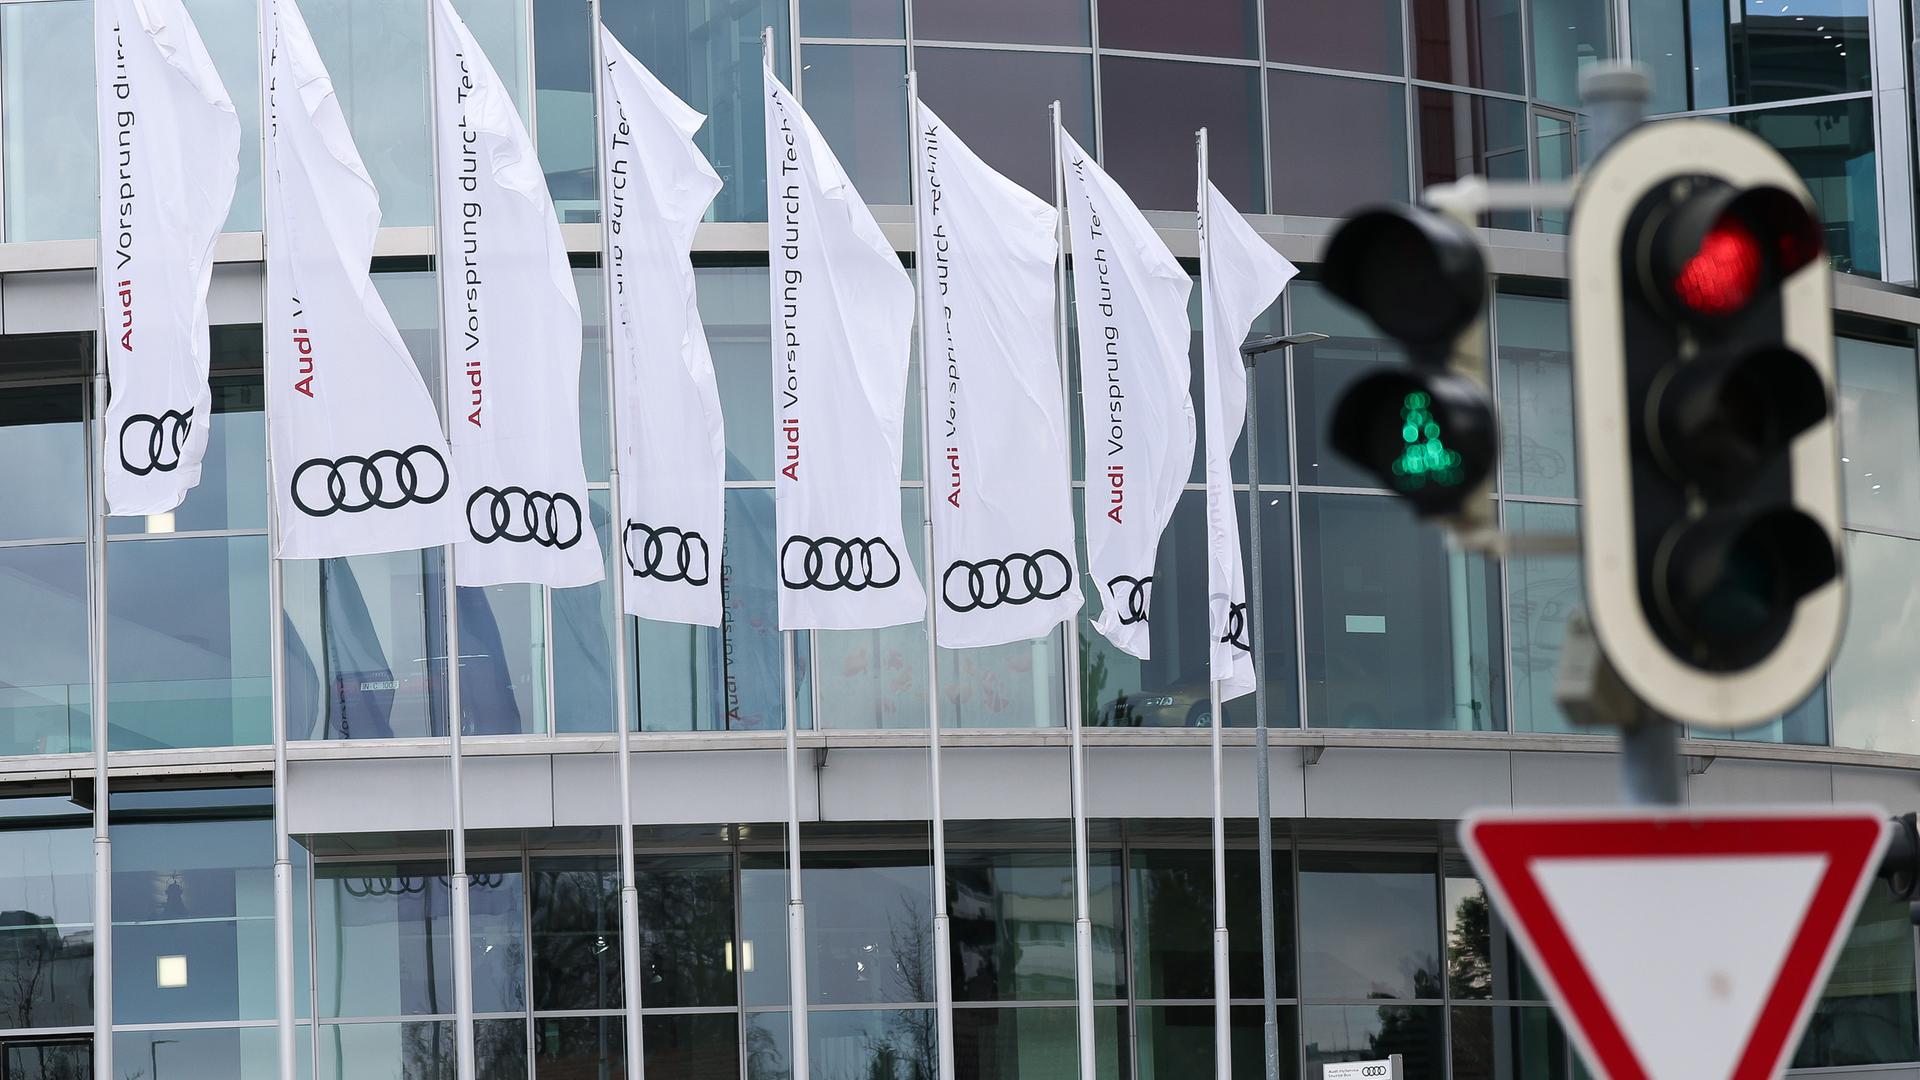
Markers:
point(1426, 428)
point(1703, 375)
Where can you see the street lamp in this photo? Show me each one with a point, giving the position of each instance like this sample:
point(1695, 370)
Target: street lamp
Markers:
point(1250, 353)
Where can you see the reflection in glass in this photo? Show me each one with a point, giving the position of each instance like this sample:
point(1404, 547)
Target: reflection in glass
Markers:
point(1170, 906)
point(1536, 395)
point(703, 1045)
point(1508, 1044)
point(365, 647)
point(885, 1044)
point(857, 95)
point(582, 640)
point(1465, 135)
point(1177, 1041)
point(503, 661)
point(1018, 22)
point(1337, 143)
point(1012, 1044)
point(1164, 102)
point(1831, 146)
point(1875, 683)
point(1372, 1032)
point(45, 680)
point(576, 933)
point(853, 19)
point(981, 93)
point(1352, 35)
point(1483, 961)
point(1543, 591)
point(582, 1046)
point(1568, 37)
point(44, 438)
point(188, 1054)
point(1012, 924)
point(382, 931)
point(46, 134)
point(1368, 928)
point(376, 52)
point(1879, 414)
point(1321, 373)
point(228, 28)
point(1709, 53)
point(688, 954)
point(1557, 160)
point(1469, 43)
point(46, 921)
point(1211, 28)
point(1866, 1013)
point(422, 1050)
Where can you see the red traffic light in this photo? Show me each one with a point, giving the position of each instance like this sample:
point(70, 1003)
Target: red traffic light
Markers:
point(1708, 250)
point(1724, 274)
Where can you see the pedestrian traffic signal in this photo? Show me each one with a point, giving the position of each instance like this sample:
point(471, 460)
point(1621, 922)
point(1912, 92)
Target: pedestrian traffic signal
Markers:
point(1703, 361)
point(1425, 428)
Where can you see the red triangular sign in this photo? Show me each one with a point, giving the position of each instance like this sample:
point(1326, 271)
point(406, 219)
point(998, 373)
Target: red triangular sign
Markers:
point(1680, 945)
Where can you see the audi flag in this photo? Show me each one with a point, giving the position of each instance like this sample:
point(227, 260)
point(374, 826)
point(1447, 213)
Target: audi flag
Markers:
point(842, 313)
point(512, 334)
point(672, 445)
point(359, 462)
point(169, 152)
point(996, 427)
point(1131, 298)
point(1240, 276)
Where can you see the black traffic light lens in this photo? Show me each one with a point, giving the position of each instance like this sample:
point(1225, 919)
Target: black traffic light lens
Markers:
point(1711, 249)
point(1729, 581)
point(1716, 421)
point(1429, 436)
point(1416, 273)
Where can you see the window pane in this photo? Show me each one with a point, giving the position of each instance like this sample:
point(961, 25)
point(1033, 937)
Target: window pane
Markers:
point(1177, 1042)
point(1508, 1044)
point(997, 102)
point(376, 52)
point(857, 95)
point(1014, 1044)
point(576, 934)
point(1781, 56)
point(1337, 143)
point(46, 962)
point(563, 105)
point(1568, 35)
point(869, 927)
point(423, 1050)
point(185, 1052)
point(1660, 43)
point(1483, 961)
point(45, 680)
point(687, 949)
point(232, 493)
point(43, 435)
point(1243, 924)
point(1554, 150)
point(382, 932)
point(503, 662)
point(1358, 35)
point(583, 640)
point(1401, 632)
point(1469, 43)
point(1866, 1014)
point(366, 647)
point(1019, 22)
point(890, 1044)
point(1875, 682)
point(1536, 395)
point(229, 29)
point(1879, 435)
point(1463, 135)
point(1012, 924)
point(698, 1047)
point(582, 1046)
point(1368, 928)
point(1170, 905)
point(46, 77)
point(1831, 145)
point(1156, 105)
point(1542, 592)
point(187, 642)
point(734, 310)
point(1198, 28)
point(853, 19)
point(1369, 1033)
point(1321, 373)
point(496, 903)
point(595, 440)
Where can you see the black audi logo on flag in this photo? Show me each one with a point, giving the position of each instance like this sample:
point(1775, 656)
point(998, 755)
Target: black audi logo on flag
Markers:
point(1236, 634)
point(520, 516)
point(1132, 595)
point(1017, 579)
point(388, 479)
point(829, 563)
point(155, 441)
point(666, 553)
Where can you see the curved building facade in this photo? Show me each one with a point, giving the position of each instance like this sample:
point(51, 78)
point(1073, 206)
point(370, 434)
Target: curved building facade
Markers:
point(1407, 683)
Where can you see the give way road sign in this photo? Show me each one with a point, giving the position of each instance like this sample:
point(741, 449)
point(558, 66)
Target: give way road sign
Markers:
point(1680, 944)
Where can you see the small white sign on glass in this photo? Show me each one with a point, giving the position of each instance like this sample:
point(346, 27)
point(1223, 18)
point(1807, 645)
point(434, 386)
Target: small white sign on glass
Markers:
point(1364, 1070)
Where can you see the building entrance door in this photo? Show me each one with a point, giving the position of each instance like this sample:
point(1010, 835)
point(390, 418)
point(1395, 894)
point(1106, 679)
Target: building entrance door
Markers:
point(70, 1059)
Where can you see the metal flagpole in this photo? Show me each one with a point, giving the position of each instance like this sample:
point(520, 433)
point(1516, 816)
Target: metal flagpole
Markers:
point(623, 727)
point(1262, 761)
point(1082, 919)
point(1222, 1014)
point(462, 911)
point(796, 906)
point(97, 657)
point(942, 928)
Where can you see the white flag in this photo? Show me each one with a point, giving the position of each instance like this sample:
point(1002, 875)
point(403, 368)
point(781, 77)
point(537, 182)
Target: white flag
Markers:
point(169, 154)
point(360, 464)
point(1131, 298)
point(673, 446)
point(842, 313)
point(1001, 495)
point(512, 334)
point(1240, 277)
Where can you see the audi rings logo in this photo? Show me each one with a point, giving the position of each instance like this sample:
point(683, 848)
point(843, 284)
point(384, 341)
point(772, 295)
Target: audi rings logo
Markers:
point(666, 553)
point(1132, 595)
point(154, 441)
point(521, 516)
point(1015, 579)
point(388, 479)
point(829, 563)
point(1236, 634)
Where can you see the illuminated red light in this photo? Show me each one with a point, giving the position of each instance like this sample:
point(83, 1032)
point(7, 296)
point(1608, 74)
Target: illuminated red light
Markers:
point(1723, 275)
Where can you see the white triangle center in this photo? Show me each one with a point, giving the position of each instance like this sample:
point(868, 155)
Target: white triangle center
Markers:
point(1683, 950)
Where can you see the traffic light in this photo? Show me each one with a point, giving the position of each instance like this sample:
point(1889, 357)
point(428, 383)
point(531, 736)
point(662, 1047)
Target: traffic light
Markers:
point(1703, 375)
point(1426, 428)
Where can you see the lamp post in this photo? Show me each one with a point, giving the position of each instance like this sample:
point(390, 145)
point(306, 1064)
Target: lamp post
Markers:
point(1250, 352)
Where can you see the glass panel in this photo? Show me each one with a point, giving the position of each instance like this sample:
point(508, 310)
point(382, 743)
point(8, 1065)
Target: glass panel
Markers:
point(187, 642)
point(1464, 135)
point(857, 96)
point(1874, 679)
point(1337, 143)
point(890, 1044)
point(576, 934)
point(708, 54)
point(1558, 160)
point(1019, 22)
point(734, 310)
point(584, 1046)
point(1177, 1042)
point(1163, 102)
point(1536, 395)
point(563, 106)
point(503, 663)
point(1831, 145)
point(46, 935)
point(1820, 50)
point(698, 1047)
point(44, 436)
point(1469, 43)
point(1483, 961)
point(1200, 28)
point(1357, 35)
point(853, 19)
point(1568, 36)
point(47, 1060)
point(869, 925)
point(1013, 1044)
point(1368, 928)
point(232, 493)
point(980, 92)
point(383, 931)
point(376, 52)
point(1012, 924)
point(178, 1053)
point(595, 439)
point(1401, 632)
point(497, 907)
point(46, 81)
point(1866, 1014)
point(229, 29)
point(365, 647)
point(1170, 916)
point(1660, 43)
point(1542, 592)
point(687, 949)
point(500, 1049)
point(582, 640)
point(1243, 924)
point(1321, 374)
point(422, 1050)
point(1508, 1044)
point(1879, 435)
point(1369, 1033)
point(45, 678)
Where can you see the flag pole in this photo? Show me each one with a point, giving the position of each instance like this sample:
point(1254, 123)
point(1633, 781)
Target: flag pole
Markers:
point(1222, 1013)
point(97, 646)
point(796, 905)
point(942, 925)
point(1082, 918)
point(623, 725)
point(458, 879)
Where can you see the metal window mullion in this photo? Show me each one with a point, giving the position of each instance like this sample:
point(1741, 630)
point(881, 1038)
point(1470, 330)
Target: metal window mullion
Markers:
point(1099, 107)
point(1412, 100)
point(1500, 520)
point(1299, 577)
point(1266, 120)
point(526, 949)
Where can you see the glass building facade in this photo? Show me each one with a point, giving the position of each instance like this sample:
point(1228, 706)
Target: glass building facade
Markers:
point(1406, 682)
